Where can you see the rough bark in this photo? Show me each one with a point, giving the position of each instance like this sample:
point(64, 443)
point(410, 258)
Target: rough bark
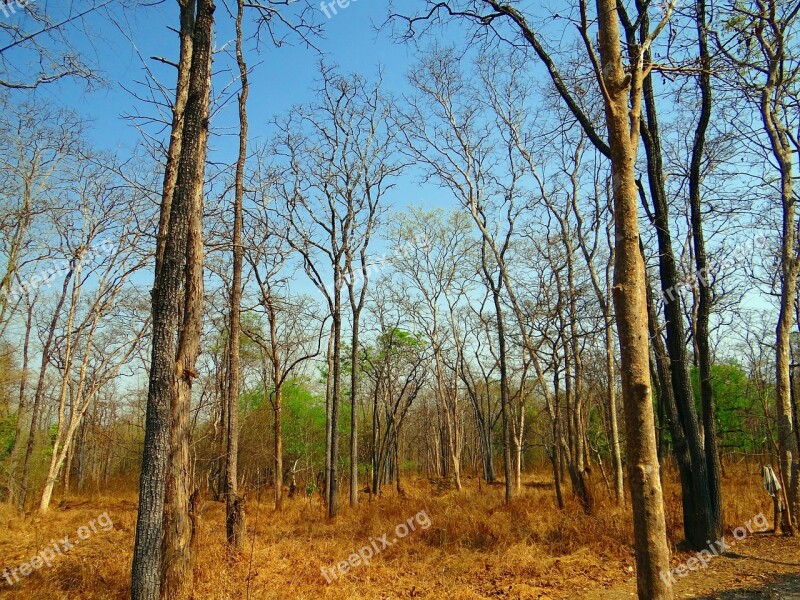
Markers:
point(177, 558)
point(162, 552)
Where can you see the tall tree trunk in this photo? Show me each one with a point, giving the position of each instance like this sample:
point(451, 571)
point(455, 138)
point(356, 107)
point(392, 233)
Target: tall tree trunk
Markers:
point(697, 522)
point(234, 513)
point(789, 265)
point(504, 408)
point(162, 562)
point(629, 293)
point(703, 280)
point(353, 409)
point(176, 569)
point(146, 565)
point(328, 406)
point(333, 498)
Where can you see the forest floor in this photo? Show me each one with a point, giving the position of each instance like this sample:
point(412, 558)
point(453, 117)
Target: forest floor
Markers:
point(439, 543)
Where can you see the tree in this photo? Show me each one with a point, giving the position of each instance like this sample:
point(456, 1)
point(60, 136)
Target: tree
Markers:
point(162, 553)
point(288, 342)
point(395, 368)
point(37, 43)
point(100, 214)
point(337, 160)
point(234, 511)
point(766, 71)
point(44, 158)
point(435, 257)
point(702, 333)
point(622, 98)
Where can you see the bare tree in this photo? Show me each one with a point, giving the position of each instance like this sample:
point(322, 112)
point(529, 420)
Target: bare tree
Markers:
point(437, 257)
point(38, 43)
point(621, 88)
point(764, 61)
point(103, 244)
point(338, 163)
point(234, 510)
point(162, 553)
point(289, 341)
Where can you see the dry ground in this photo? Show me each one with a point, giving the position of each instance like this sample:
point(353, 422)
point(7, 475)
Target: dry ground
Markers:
point(474, 548)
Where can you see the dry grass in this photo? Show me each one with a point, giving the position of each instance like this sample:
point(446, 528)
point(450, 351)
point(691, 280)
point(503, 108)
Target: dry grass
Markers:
point(475, 547)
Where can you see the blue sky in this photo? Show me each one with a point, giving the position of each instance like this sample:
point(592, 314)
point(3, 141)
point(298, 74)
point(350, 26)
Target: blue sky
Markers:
point(282, 76)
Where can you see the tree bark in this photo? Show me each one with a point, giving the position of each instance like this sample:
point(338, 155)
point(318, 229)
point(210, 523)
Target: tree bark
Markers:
point(703, 281)
point(697, 522)
point(629, 293)
point(234, 510)
point(162, 552)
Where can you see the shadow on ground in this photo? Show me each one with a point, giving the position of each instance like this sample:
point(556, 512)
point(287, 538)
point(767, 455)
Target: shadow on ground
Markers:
point(781, 587)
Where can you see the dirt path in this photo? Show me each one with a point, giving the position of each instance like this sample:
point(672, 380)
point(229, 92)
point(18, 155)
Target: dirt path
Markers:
point(760, 566)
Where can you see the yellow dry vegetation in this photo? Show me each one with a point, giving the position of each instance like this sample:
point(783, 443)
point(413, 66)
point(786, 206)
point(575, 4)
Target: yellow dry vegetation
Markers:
point(476, 547)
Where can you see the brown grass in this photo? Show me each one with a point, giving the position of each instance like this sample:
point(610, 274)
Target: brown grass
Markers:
point(475, 547)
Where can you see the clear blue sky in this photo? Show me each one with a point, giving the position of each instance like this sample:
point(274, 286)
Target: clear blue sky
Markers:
point(282, 76)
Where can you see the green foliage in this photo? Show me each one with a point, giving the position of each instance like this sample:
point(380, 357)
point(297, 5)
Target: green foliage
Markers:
point(393, 345)
point(303, 417)
point(304, 421)
point(738, 408)
point(8, 427)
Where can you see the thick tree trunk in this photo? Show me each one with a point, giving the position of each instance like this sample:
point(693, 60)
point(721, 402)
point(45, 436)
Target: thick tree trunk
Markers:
point(652, 552)
point(162, 562)
point(786, 440)
point(789, 265)
point(146, 565)
point(176, 569)
point(697, 522)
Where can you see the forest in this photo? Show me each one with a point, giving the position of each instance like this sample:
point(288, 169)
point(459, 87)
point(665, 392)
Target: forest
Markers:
point(425, 299)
